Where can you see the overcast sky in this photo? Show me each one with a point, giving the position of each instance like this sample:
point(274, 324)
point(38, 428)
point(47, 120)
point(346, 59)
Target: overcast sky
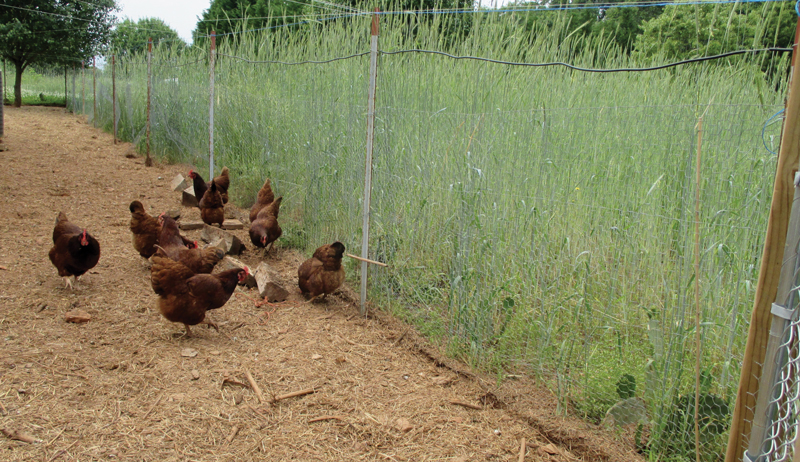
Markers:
point(180, 15)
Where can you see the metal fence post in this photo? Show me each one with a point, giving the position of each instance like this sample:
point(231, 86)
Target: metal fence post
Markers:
point(94, 91)
point(373, 71)
point(73, 90)
point(213, 55)
point(148, 161)
point(114, 95)
point(2, 97)
point(83, 87)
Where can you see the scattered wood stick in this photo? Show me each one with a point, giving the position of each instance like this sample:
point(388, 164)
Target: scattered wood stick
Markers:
point(292, 395)
point(326, 417)
point(56, 437)
point(354, 343)
point(522, 451)
point(469, 405)
point(400, 338)
point(19, 436)
point(367, 260)
point(254, 386)
point(5, 411)
point(234, 382)
point(232, 435)
point(62, 451)
point(153, 406)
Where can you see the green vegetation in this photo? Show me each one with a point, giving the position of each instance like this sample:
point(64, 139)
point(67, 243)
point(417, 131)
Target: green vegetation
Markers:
point(61, 32)
point(535, 219)
point(42, 88)
point(131, 36)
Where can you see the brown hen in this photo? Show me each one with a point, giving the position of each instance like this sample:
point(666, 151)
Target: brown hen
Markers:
point(265, 230)
point(185, 297)
point(264, 198)
point(74, 251)
point(145, 230)
point(322, 273)
point(172, 245)
point(212, 210)
point(223, 181)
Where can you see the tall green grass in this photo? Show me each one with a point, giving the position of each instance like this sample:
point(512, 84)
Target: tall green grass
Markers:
point(534, 219)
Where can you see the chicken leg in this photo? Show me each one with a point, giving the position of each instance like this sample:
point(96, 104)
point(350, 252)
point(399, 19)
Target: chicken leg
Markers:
point(210, 323)
point(68, 282)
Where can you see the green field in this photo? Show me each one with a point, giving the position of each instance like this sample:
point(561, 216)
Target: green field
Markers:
point(536, 220)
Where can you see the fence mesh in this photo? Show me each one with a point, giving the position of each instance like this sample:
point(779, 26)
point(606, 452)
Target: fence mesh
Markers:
point(536, 229)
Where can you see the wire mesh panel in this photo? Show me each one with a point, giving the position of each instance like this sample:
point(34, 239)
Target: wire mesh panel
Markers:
point(782, 433)
point(535, 220)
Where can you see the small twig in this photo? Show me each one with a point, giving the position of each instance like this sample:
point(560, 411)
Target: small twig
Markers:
point(5, 411)
point(232, 435)
point(19, 436)
point(292, 395)
point(62, 451)
point(469, 405)
point(234, 382)
point(522, 451)
point(367, 260)
point(153, 406)
point(327, 417)
point(354, 343)
point(400, 338)
point(56, 437)
point(254, 386)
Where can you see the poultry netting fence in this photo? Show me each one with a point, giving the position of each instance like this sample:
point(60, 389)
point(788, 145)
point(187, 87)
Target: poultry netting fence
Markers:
point(529, 229)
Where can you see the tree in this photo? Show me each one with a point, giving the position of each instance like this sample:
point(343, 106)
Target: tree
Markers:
point(131, 37)
point(687, 31)
point(52, 31)
point(226, 16)
point(624, 23)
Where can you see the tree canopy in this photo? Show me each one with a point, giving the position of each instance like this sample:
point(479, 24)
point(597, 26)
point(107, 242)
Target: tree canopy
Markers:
point(226, 16)
point(52, 31)
point(131, 37)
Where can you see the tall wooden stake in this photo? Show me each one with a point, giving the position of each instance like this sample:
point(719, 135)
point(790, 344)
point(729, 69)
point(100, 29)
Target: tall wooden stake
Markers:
point(66, 106)
point(114, 95)
point(769, 274)
point(212, 59)
point(697, 293)
point(373, 72)
point(148, 161)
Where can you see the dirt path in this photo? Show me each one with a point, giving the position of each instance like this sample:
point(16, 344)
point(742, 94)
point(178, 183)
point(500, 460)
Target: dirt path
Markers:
point(121, 387)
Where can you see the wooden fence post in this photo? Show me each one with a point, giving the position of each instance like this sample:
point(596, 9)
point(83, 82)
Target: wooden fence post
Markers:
point(769, 274)
point(373, 71)
point(66, 106)
point(148, 161)
point(212, 58)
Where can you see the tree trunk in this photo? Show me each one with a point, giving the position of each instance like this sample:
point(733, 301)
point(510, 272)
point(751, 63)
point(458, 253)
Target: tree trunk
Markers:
point(18, 84)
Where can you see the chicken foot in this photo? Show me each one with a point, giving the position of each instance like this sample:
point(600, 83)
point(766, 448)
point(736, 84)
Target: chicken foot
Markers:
point(68, 282)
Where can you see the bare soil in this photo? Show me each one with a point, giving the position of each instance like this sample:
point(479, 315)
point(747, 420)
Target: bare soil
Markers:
point(126, 386)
